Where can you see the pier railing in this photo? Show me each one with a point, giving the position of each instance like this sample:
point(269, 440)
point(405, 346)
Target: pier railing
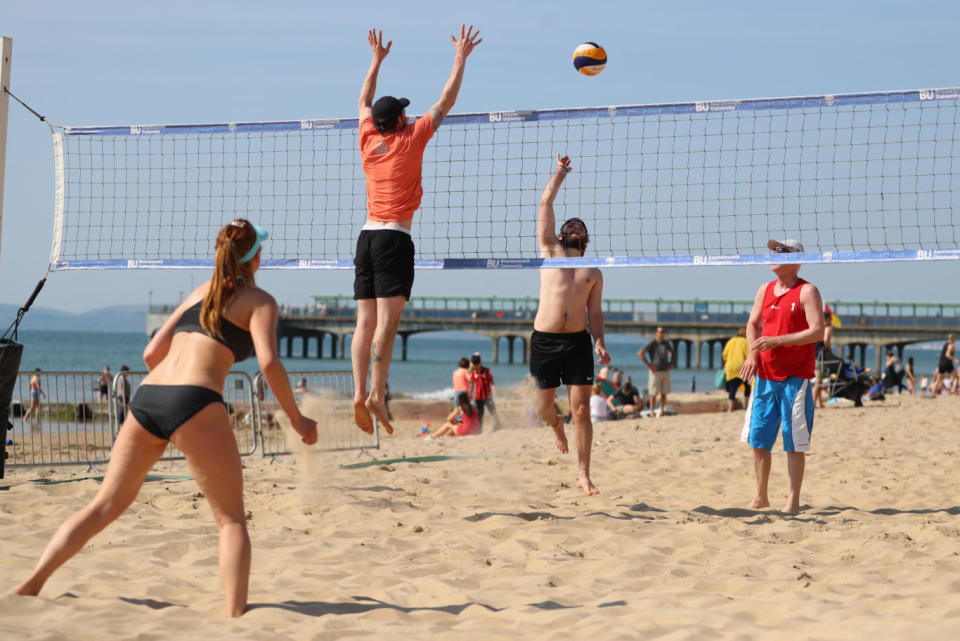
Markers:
point(875, 313)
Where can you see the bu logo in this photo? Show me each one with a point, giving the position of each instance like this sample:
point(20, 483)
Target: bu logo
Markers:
point(924, 254)
point(927, 94)
point(135, 129)
point(496, 116)
point(699, 260)
point(493, 263)
point(702, 106)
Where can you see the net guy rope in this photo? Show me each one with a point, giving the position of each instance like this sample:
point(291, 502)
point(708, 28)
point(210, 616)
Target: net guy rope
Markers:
point(854, 177)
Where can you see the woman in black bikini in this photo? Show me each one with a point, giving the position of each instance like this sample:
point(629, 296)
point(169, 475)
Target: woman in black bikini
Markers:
point(179, 402)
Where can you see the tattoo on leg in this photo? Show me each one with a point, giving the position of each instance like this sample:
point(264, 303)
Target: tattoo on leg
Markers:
point(374, 357)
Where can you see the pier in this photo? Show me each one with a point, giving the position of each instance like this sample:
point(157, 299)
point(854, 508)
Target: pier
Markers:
point(697, 328)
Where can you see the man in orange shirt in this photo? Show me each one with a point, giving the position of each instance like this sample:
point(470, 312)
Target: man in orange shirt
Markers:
point(391, 150)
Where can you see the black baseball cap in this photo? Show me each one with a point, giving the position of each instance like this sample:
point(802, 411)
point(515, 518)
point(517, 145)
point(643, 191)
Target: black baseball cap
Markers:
point(387, 109)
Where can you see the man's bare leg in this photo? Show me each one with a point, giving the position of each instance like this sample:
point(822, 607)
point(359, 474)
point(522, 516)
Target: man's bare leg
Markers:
point(761, 468)
point(360, 358)
point(583, 430)
point(381, 353)
point(547, 412)
point(796, 462)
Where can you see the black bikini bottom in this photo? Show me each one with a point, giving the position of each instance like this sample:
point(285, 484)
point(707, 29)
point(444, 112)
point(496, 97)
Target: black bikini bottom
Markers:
point(161, 409)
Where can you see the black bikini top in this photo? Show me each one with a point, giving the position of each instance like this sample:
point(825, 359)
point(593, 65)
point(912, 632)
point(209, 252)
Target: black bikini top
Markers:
point(236, 339)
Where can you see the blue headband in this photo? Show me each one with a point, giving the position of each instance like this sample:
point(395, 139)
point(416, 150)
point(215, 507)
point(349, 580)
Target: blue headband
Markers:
point(262, 235)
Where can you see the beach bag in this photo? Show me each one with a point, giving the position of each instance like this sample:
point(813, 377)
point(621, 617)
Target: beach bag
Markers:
point(10, 353)
point(721, 379)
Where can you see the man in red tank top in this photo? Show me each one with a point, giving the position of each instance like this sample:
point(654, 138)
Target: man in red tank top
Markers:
point(785, 323)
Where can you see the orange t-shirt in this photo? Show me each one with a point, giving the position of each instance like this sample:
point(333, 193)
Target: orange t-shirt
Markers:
point(393, 165)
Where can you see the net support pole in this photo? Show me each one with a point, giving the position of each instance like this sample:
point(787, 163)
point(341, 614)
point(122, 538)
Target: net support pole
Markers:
point(6, 52)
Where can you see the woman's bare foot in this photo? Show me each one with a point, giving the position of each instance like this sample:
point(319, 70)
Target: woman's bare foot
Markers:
point(362, 417)
point(759, 502)
point(380, 410)
point(561, 436)
point(586, 484)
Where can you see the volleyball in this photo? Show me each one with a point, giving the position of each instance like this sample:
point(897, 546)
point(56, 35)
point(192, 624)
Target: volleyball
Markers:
point(589, 58)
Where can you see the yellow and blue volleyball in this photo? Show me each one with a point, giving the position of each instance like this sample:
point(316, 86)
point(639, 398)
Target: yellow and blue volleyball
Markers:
point(589, 58)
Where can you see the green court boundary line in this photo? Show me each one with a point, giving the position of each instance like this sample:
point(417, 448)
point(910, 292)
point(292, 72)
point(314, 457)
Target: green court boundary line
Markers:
point(149, 477)
point(412, 459)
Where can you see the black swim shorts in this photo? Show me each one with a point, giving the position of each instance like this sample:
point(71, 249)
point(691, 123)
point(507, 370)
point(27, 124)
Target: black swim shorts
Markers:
point(556, 358)
point(383, 264)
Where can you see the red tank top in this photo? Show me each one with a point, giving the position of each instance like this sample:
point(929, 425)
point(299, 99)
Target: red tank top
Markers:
point(784, 315)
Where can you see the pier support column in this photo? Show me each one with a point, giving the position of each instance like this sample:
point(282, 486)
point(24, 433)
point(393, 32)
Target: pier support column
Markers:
point(496, 349)
point(333, 345)
point(698, 348)
point(303, 346)
point(403, 346)
point(510, 349)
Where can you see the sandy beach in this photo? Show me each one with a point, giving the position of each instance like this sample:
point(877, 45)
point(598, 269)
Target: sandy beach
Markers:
point(488, 537)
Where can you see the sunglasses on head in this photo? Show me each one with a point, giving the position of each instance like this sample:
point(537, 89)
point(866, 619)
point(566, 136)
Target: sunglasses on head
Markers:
point(780, 249)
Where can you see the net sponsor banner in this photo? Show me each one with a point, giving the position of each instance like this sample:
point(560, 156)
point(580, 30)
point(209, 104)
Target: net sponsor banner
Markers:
point(553, 263)
point(506, 117)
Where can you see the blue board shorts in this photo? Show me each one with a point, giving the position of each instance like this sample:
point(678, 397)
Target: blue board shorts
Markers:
point(779, 406)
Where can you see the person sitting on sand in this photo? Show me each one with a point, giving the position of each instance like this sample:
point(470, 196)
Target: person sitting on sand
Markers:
point(464, 420)
point(599, 406)
point(180, 402)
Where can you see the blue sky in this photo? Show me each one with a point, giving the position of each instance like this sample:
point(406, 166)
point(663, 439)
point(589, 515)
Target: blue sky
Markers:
point(111, 62)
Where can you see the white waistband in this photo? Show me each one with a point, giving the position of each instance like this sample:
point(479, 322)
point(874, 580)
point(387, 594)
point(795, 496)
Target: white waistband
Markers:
point(385, 226)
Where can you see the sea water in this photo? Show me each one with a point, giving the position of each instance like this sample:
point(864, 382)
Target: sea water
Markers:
point(426, 374)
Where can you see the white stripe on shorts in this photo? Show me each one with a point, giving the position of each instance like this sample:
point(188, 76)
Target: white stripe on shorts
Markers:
point(798, 420)
point(745, 434)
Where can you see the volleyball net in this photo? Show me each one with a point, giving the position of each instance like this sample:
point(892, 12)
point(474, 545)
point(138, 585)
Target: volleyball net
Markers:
point(854, 177)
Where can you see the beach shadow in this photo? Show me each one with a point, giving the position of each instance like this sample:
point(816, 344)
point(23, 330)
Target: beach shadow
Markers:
point(151, 603)
point(526, 516)
point(367, 604)
point(627, 516)
point(833, 510)
point(759, 517)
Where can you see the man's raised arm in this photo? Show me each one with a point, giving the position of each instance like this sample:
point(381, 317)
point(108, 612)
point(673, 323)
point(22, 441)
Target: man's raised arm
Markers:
point(369, 87)
point(464, 46)
point(546, 222)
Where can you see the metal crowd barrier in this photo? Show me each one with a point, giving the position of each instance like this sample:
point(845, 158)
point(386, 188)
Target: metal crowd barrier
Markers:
point(237, 393)
point(72, 424)
point(326, 397)
point(61, 420)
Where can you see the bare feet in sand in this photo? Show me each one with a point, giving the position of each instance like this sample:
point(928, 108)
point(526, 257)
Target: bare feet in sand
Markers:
point(362, 417)
point(759, 502)
point(791, 507)
point(586, 484)
point(380, 411)
point(561, 436)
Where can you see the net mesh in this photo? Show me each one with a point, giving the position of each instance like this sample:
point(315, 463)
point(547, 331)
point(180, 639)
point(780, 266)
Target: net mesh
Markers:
point(853, 177)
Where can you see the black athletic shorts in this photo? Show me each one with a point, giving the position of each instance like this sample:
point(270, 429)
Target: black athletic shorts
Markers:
point(556, 358)
point(945, 366)
point(383, 264)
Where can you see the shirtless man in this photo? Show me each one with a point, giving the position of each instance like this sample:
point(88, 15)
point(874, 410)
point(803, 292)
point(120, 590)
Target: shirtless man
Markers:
point(391, 150)
point(560, 349)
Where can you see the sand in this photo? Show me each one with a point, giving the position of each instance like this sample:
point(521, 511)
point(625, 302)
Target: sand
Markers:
point(496, 542)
